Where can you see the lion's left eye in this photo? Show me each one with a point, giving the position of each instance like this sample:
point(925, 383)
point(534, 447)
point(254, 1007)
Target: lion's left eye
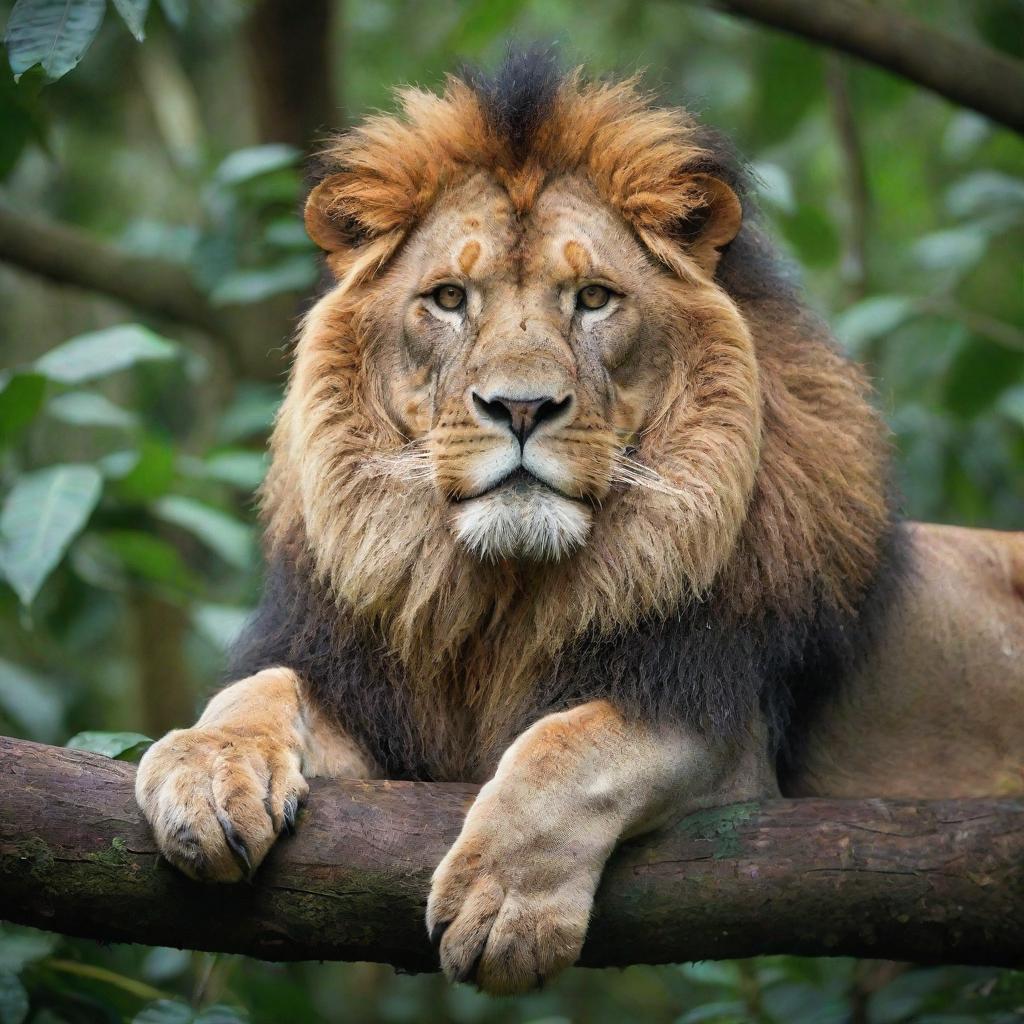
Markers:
point(449, 296)
point(593, 296)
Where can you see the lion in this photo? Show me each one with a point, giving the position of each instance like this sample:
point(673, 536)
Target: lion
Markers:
point(572, 496)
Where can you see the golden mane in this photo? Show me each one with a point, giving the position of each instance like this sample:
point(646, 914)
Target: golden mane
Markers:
point(777, 460)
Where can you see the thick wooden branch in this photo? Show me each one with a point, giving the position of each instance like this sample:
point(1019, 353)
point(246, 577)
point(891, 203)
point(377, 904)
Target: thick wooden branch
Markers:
point(968, 73)
point(936, 882)
point(69, 256)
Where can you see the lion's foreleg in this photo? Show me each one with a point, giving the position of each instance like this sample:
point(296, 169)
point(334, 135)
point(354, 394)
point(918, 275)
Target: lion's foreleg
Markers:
point(218, 795)
point(510, 902)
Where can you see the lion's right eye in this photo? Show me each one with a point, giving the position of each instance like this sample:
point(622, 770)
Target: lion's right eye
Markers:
point(449, 296)
point(593, 296)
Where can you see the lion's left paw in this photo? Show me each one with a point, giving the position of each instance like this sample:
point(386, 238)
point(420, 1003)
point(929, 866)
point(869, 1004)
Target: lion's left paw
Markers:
point(509, 913)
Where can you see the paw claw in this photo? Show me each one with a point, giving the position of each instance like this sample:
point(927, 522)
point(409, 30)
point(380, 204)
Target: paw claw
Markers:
point(291, 809)
point(237, 844)
point(469, 971)
point(437, 933)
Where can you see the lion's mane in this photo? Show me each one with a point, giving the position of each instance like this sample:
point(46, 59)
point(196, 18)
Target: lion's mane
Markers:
point(434, 660)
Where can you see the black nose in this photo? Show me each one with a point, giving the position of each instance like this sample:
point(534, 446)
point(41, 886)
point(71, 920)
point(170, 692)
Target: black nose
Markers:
point(521, 415)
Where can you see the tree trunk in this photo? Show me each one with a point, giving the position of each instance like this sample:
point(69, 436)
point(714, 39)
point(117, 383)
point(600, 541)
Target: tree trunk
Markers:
point(289, 47)
point(931, 882)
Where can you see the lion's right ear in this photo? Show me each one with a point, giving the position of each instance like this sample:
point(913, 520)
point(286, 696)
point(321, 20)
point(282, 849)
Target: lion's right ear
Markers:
point(330, 221)
point(358, 223)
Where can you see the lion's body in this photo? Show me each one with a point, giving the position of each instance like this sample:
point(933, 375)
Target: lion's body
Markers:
point(937, 709)
point(569, 493)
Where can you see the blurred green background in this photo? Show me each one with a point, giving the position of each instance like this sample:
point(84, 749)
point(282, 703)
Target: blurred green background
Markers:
point(142, 434)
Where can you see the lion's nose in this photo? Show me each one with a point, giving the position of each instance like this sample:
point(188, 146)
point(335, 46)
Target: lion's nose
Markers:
point(521, 416)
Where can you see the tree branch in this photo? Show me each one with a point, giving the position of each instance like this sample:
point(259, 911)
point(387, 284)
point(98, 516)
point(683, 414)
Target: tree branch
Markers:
point(968, 73)
point(932, 882)
point(68, 256)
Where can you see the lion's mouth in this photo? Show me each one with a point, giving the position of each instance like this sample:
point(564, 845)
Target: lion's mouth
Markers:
point(519, 481)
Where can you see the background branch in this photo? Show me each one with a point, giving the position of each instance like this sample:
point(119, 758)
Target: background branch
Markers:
point(68, 256)
point(931, 882)
point(853, 165)
point(968, 73)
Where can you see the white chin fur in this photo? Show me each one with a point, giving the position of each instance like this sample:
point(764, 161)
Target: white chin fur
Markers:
point(534, 524)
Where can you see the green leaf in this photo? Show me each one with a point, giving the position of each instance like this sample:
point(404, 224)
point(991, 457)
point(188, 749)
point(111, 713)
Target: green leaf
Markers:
point(53, 33)
point(150, 475)
point(221, 1014)
point(251, 414)
point(115, 554)
point(295, 274)
point(31, 702)
point(20, 113)
point(242, 469)
point(122, 746)
point(89, 409)
point(117, 465)
point(104, 352)
point(288, 233)
point(13, 999)
point(223, 534)
point(22, 946)
point(255, 161)
point(1011, 405)
point(175, 11)
point(171, 1011)
point(47, 38)
point(165, 1011)
point(43, 513)
point(164, 963)
point(956, 250)
point(774, 186)
point(221, 624)
point(133, 13)
point(21, 396)
point(979, 375)
point(715, 1013)
point(813, 235)
point(482, 21)
point(873, 318)
point(789, 77)
point(985, 192)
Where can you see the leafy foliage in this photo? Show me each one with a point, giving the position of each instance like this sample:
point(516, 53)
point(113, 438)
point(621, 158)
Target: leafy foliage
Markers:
point(129, 452)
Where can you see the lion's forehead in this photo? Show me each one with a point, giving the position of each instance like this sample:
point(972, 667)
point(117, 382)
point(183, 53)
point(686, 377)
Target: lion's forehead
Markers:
point(475, 233)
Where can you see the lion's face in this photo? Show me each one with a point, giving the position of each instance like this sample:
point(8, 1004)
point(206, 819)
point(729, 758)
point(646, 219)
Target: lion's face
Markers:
point(526, 380)
point(524, 354)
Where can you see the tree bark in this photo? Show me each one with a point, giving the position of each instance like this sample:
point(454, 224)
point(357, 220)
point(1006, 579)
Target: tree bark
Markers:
point(931, 882)
point(290, 48)
point(968, 73)
point(67, 255)
point(251, 336)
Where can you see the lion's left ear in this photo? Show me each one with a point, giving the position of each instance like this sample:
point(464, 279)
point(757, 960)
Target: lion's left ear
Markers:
point(329, 220)
point(700, 216)
point(713, 221)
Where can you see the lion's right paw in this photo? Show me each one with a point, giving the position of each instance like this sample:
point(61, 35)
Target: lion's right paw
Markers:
point(217, 800)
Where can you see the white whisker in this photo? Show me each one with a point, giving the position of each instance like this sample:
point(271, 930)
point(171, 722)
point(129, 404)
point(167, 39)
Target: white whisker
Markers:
point(629, 471)
point(411, 463)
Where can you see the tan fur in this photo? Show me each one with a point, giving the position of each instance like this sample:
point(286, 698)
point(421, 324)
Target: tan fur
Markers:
point(512, 898)
point(938, 711)
point(238, 768)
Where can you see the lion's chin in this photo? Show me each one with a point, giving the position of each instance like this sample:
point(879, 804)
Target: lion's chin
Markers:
point(524, 523)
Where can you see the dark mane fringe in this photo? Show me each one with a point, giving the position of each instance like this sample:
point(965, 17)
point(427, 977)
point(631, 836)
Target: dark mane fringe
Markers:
point(518, 95)
point(698, 667)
